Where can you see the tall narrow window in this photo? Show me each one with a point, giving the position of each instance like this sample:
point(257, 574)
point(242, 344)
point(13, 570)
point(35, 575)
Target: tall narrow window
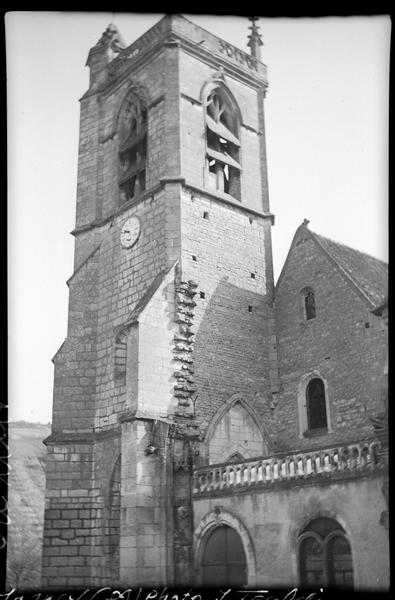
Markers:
point(132, 151)
point(325, 555)
point(316, 405)
point(222, 137)
point(114, 520)
point(308, 302)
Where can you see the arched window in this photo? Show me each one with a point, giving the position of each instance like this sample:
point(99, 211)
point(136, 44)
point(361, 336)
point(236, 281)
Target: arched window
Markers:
point(325, 555)
point(223, 145)
point(132, 150)
point(316, 405)
point(224, 560)
point(308, 301)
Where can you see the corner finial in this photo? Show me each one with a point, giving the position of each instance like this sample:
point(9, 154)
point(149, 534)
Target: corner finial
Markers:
point(107, 48)
point(305, 222)
point(255, 38)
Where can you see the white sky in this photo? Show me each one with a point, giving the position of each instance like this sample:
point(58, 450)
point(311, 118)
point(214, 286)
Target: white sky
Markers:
point(327, 143)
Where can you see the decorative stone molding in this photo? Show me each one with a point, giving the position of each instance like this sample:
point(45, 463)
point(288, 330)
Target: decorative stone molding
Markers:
point(214, 519)
point(287, 470)
point(219, 74)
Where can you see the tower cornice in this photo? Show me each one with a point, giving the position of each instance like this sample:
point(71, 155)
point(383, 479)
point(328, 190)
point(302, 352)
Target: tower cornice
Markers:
point(178, 30)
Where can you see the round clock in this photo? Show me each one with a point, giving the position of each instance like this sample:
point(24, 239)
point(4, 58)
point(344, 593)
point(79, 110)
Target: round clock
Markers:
point(130, 232)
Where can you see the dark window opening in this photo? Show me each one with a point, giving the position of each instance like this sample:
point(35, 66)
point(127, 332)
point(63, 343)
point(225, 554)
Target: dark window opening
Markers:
point(114, 508)
point(202, 295)
point(309, 305)
point(252, 275)
point(224, 560)
point(206, 215)
point(132, 149)
point(249, 308)
point(224, 178)
point(316, 405)
point(219, 144)
point(325, 555)
point(194, 258)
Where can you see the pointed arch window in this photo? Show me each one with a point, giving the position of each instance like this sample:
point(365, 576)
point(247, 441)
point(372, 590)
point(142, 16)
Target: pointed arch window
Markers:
point(222, 142)
point(325, 555)
point(132, 149)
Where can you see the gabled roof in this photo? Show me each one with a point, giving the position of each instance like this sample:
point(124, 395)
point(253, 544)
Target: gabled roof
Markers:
point(368, 275)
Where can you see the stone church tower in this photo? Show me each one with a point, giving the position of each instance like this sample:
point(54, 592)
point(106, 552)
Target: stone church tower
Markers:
point(170, 310)
point(208, 427)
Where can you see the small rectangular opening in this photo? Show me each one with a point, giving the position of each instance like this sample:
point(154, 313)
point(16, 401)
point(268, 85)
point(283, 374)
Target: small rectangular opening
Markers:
point(249, 308)
point(252, 275)
point(202, 295)
point(205, 215)
point(194, 258)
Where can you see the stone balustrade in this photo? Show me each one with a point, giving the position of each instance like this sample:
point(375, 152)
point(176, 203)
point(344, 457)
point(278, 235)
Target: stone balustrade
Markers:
point(347, 459)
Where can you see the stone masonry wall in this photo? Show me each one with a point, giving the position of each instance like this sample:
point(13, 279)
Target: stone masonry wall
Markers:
point(125, 275)
point(344, 344)
point(273, 519)
point(69, 519)
point(220, 253)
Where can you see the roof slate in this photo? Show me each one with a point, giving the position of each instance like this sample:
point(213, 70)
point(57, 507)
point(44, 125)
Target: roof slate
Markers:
point(369, 274)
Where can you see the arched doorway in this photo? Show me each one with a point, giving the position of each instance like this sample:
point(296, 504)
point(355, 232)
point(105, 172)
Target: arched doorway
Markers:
point(325, 555)
point(223, 559)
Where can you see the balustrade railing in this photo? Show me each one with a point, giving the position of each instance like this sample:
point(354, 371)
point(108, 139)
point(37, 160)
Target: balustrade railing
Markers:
point(281, 467)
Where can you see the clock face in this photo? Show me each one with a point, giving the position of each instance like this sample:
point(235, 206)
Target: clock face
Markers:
point(130, 232)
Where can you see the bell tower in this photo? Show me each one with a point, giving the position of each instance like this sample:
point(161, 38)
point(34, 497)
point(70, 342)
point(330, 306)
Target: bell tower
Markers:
point(170, 307)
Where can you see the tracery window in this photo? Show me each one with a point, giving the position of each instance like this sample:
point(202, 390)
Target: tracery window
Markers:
point(325, 557)
point(132, 150)
point(316, 405)
point(223, 146)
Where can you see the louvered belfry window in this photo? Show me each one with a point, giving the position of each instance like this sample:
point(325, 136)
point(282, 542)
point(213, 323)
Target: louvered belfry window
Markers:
point(223, 145)
point(132, 150)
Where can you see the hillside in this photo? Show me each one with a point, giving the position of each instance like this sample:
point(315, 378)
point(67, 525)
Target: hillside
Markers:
point(26, 491)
